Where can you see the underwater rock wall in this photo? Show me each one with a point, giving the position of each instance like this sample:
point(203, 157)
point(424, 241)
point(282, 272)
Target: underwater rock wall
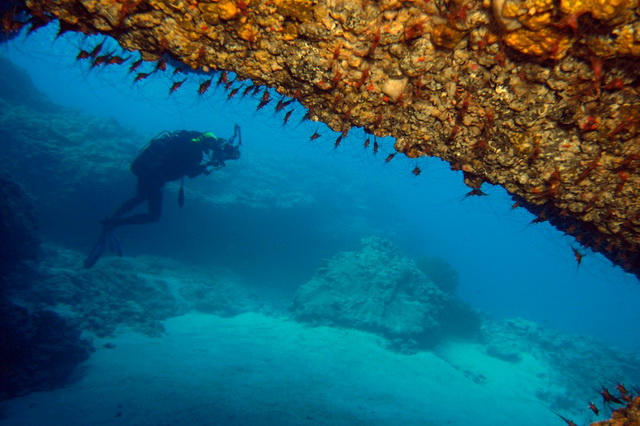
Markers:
point(378, 289)
point(38, 350)
point(52, 149)
point(20, 241)
point(539, 97)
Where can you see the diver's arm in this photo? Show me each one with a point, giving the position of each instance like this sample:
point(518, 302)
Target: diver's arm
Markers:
point(197, 162)
point(198, 170)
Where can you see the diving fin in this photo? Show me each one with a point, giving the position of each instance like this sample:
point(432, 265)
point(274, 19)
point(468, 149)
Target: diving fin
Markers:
point(107, 238)
point(181, 197)
point(181, 193)
point(96, 252)
point(114, 243)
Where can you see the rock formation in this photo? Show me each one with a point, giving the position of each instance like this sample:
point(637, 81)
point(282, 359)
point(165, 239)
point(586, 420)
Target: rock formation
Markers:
point(20, 241)
point(380, 290)
point(38, 348)
point(38, 351)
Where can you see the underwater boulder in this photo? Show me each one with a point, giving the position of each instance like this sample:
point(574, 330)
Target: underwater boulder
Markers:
point(440, 272)
point(375, 289)
point(17, 226)
point(38, 351)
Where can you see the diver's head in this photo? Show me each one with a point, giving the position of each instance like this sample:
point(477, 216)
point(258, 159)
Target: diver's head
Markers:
point(229, 150)
point(219, 147)
point(207, 139)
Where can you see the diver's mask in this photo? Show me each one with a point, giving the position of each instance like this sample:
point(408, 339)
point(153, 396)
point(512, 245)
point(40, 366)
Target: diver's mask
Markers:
point(230, 151)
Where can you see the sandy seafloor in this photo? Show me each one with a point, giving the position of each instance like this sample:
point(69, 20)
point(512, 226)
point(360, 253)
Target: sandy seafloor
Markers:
point(254, 369)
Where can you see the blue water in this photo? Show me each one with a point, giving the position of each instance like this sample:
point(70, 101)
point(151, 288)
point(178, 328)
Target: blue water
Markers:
point(508, 267)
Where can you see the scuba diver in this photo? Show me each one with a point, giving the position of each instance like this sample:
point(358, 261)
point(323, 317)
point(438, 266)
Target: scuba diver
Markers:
point(167, 157)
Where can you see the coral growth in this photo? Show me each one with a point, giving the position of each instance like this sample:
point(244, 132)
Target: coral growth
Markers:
point(549, 29)
point(629, 415)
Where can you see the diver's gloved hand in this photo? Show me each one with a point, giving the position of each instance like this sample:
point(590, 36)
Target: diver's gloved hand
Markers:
point(210, 166)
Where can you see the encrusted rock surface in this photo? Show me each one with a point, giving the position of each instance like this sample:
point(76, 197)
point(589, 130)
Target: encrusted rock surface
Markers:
point(629, 415)
point(540, 97)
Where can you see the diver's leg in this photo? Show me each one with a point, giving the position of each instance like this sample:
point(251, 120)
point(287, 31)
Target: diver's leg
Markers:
point(130, 204)
point(108, 236)
point(146, 190)
point(154, 200)
point(126, 207)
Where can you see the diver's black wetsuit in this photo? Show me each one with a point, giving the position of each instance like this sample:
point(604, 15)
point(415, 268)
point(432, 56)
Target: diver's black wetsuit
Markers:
point(146, 190)
point(169, 156)
point(177, 156)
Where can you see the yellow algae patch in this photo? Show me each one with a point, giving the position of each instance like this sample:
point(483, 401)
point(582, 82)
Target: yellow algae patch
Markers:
point(248, 32)
point(533, 14)
point(548, 28)
point(302, 10)
point(222, 10)
point(445, 36)
point(548, 42)
point(606, 10)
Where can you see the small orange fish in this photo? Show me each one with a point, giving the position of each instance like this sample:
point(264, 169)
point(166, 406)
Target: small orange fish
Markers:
point(204, 86)
point(577, 255)
point(176, 85)
point(141, 76)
